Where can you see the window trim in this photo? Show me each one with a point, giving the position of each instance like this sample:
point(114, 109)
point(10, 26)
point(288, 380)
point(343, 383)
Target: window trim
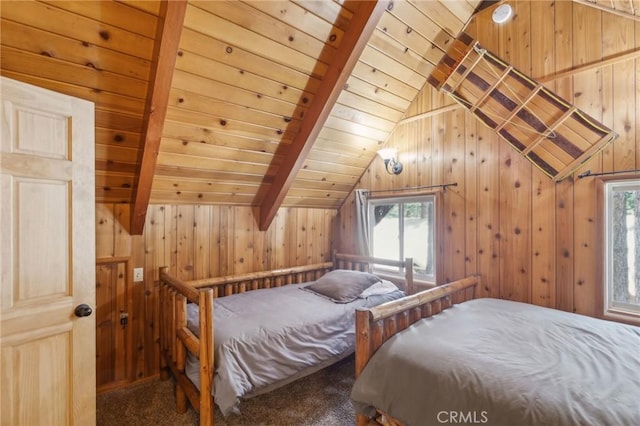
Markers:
point(437, 250)
point(604, 310)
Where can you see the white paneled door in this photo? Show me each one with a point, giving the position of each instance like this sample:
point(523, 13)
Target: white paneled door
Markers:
point(47, 257)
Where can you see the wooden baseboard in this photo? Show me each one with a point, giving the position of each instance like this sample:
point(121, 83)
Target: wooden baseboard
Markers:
point(123, 384)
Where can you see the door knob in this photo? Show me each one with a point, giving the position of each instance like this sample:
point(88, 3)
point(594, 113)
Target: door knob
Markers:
point(83, 310)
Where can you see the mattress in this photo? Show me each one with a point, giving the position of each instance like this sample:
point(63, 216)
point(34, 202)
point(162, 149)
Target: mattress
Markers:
point(267, 338)
point(499, 362)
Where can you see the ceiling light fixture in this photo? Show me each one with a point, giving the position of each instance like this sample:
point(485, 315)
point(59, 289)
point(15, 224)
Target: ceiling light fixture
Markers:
point(391, 165)
point(502, 13)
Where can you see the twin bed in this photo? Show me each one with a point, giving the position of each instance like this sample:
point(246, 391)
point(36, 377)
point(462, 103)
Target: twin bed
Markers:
point(269, 329)
point(429, 359)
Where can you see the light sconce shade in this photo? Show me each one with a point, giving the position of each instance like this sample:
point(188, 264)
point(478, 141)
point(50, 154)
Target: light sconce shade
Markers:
point(502, 13)
point(392, 165)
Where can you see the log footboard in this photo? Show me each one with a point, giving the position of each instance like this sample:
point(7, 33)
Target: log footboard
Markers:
point(376, 325)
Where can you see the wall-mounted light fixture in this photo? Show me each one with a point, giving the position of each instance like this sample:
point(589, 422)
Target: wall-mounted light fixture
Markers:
point(391, 164)
point(502, 13)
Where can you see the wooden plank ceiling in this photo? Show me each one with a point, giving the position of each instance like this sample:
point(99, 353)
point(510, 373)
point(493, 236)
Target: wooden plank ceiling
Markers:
point(246, 74)
point(626, 8)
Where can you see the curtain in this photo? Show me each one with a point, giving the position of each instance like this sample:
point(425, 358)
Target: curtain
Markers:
point(362, 222)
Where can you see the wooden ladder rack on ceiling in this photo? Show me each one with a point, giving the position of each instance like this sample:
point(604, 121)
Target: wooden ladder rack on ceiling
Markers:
point(550, 132)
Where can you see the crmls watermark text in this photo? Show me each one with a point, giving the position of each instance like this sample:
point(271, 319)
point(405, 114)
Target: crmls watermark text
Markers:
point(466, 417)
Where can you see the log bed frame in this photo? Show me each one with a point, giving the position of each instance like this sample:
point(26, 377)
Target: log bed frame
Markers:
point(176, 339)
point(376, 325)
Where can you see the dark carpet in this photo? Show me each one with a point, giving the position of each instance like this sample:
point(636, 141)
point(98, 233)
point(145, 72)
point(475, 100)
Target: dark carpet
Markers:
point(321, 399)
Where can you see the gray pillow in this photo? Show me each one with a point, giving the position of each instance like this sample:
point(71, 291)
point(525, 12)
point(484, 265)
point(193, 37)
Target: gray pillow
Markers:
point(342, 285)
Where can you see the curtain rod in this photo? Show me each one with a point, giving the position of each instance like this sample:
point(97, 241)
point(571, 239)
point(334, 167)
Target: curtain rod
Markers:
point(414, 188)
point(589, 174)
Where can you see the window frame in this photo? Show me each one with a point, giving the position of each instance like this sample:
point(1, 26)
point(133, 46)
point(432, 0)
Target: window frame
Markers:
point(436, 197)
point(607, 311)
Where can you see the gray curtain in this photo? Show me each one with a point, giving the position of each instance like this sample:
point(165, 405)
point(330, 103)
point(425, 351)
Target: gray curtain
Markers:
point(362, 222)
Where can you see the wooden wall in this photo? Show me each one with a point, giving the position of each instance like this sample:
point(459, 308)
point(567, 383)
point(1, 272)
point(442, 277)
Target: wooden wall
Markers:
point(529, 238)
point(195, 242)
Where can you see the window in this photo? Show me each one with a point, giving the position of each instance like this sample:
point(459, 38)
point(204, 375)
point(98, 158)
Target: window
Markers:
point(405, 227)
point(622, 236)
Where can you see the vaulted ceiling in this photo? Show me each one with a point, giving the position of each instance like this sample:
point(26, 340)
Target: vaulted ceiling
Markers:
point(270, 102)
point(261, 103)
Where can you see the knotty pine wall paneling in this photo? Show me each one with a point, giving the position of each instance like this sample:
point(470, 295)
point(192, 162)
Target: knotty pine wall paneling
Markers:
point(184, 260)
point(469, 198)
point(488, 232)
point(454, 202)
point(543, 199)
point(515, 173)
point(563, 45)
point(202, 241)
point(588, 96)
point(487, 174)
point(195, 241)
point(111, 354)
point(530, 239)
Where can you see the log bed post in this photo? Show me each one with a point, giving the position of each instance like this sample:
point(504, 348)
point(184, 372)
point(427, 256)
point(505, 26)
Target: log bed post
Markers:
point(363, 346)
point(408, 275)
point(363, 351)
point(181, 352)
point(164, 368)
point(173, 341)
point(207, 411)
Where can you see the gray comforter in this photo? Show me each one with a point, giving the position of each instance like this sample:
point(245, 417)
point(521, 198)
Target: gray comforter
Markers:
point(265, 339)
point(496, 362)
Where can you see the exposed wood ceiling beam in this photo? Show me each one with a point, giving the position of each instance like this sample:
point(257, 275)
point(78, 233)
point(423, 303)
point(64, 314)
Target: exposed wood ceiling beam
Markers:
point(354, 41)
point(166, 49)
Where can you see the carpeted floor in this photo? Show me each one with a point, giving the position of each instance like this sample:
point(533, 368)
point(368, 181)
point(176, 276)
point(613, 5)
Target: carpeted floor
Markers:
point(321, 399)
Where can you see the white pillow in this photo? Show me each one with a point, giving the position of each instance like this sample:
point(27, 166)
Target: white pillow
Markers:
point(382, 287)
